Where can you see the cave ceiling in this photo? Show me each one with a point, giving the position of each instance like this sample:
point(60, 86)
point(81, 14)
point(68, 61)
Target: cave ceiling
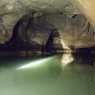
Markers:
point(63, 14)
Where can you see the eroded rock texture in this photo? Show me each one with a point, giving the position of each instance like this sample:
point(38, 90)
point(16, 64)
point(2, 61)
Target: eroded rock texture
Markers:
point(65, 17)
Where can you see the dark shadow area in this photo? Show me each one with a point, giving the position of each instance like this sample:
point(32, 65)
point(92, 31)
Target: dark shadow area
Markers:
point(85, 56)
point(26, 34)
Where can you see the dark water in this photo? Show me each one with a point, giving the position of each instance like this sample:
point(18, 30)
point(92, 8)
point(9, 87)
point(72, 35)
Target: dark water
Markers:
point(49, 77)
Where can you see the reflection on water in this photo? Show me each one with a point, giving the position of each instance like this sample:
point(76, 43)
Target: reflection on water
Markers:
point(47, 79)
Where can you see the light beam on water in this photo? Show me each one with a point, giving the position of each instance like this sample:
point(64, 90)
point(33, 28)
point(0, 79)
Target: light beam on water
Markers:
point(34, 63)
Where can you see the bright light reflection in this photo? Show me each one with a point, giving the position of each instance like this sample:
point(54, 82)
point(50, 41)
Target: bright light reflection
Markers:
point(67, 57)
point(87, 7)
point(63, 44)
point(34, 64)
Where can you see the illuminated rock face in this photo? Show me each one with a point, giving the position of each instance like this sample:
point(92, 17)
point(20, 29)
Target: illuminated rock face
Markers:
point(76, 31)
point(12, 11)
point(72, 26)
